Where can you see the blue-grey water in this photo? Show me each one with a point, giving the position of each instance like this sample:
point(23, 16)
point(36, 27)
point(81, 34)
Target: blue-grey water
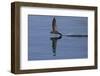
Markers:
point(39, 42)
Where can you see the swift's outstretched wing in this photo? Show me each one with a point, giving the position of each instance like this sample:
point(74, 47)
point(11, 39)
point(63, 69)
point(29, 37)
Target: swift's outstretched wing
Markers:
point(54, 26)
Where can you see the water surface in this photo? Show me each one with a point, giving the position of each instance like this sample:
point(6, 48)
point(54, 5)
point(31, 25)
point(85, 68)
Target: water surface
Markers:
point(40, 46)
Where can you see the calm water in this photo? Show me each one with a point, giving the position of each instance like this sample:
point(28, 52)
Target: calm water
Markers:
point(40, 46)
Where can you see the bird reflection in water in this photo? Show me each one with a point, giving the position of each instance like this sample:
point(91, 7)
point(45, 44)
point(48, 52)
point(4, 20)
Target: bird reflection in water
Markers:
point(55, 36)
point(54, 44)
